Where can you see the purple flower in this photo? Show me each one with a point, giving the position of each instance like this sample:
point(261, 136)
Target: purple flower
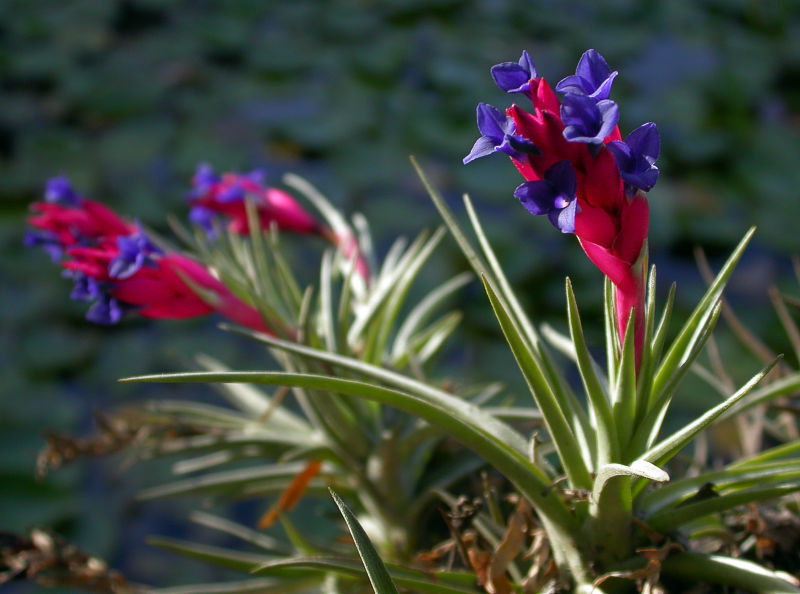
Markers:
point(586, 120)
point(592, 78)
point(85, 288)
point(49, 242)
point(231, 193)
point(553, 196)
point(106, 311)
point(204, 177)
point(58, 190)
point(135, 251)
point(203, 181)
point(636, 156)
point(498, 136)
point(515, 77)
point(204, 218)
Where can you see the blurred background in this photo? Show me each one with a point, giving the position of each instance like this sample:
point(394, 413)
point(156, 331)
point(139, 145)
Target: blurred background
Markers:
point(127, 96)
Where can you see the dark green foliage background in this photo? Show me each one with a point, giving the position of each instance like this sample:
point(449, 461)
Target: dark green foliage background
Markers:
point(127, 96)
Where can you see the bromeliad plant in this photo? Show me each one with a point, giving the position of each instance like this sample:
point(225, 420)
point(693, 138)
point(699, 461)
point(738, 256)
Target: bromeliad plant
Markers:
point(597, 508)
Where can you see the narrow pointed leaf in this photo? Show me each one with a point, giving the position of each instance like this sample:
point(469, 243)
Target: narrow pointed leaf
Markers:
point(607, 444)
point(573, 409)
point(376, 571)
point(624, 394)
point(648, 429)
point(785, 386)
point(662, 452)
point(682, 343)
point(780, 452)
point(252, 401)
point(271, 478)
point(422, 311)
point(447, 216)
point(400, 290)
point(552, 410)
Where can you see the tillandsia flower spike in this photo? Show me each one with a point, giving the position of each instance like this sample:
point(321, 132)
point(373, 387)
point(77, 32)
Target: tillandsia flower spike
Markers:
point(578, 170)
point(117, 268)
point(216, 197)
point(225, 196)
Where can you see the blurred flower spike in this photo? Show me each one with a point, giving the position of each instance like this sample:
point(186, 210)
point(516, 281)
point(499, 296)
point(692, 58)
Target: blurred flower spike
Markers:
point(224, 196)
point(117, 268)
point(579, 171)
point(221, 199)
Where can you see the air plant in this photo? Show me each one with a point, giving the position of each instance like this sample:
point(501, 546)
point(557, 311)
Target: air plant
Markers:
point(594, 501)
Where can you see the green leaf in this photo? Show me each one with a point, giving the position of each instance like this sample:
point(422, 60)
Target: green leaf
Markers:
point(252, 401)
point(552, 410)
point(624, 394)
point(498, 279)
point(447, 216)
point(611, 333)
point(240, 531)
point(607, 443)
point(638, 468)
point(648, 429)
point(684, 343)
point(611, 510)
point(661, 453)
point(390, 276)
point(494, 441)
point(786, 386)
point(645, 372)
point(429, 341)
point(573, 409)
point(413, 580)
point(394, 303)
point(271, 478)
point(376, 571)
point(230, 559)
point(256, 586)
point(326, 311)
point(693, 568)
point(422, 311)
point(785, 450)
point(722, 481)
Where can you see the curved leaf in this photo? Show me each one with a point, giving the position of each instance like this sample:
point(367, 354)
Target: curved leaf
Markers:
point(476, 429)
point(414, 580)
point(737, 573)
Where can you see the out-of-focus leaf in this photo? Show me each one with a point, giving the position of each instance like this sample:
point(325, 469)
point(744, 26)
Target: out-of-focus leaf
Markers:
point(414, 580)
